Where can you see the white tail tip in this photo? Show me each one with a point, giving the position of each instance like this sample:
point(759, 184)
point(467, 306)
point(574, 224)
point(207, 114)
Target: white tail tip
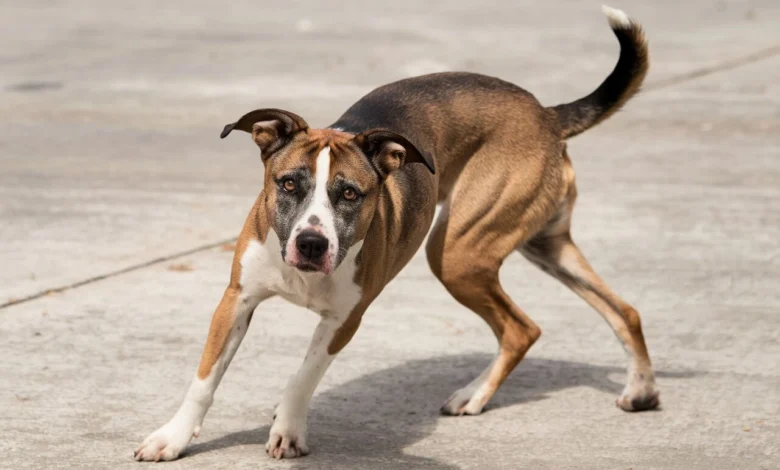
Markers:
point(617, 18)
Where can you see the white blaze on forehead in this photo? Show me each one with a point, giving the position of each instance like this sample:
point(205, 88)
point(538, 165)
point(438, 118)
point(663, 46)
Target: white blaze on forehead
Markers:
point(320, 207)
point(321, 175)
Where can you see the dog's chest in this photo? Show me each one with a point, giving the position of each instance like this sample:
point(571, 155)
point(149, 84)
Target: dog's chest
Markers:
point(263, 272)
point(315, 293)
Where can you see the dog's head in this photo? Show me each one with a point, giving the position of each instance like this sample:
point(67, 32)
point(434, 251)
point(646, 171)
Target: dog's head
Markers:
point(322, 185)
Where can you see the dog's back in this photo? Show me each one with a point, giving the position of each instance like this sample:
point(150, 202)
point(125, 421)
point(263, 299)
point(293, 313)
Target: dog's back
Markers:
point(453, 114)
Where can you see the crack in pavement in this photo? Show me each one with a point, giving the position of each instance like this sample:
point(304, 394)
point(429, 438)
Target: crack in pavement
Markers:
point(134, 267)
point(730, 64)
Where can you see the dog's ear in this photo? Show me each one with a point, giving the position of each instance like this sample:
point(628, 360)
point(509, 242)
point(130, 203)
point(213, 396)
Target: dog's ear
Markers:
point(271, 128)
point(388, 151)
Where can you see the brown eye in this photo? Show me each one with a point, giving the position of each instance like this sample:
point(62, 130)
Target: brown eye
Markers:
point(289, 185)
point(350, 194)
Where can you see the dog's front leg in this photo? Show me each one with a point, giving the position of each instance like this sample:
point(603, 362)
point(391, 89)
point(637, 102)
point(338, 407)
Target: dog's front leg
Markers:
point(228, 327)
point(287, 438)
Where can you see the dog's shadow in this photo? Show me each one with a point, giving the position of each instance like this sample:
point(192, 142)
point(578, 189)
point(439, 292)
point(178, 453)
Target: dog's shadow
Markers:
point(368, 421)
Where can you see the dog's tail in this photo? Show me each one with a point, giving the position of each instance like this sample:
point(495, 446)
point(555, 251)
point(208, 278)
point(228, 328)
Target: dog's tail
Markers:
point(623, 83)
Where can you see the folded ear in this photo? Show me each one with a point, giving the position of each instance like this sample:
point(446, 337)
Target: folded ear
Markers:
point(271, 128)
point(389, 151)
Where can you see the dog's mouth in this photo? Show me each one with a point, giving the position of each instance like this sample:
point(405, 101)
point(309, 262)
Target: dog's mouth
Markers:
point(309, 267)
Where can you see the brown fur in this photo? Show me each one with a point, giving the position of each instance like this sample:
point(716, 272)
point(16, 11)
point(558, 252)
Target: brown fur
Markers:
point(381, 220)
point(505, 180)
point(255, 227)
point(495, 159)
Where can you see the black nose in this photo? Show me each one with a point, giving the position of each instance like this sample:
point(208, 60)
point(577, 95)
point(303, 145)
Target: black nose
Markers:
point(311, 245)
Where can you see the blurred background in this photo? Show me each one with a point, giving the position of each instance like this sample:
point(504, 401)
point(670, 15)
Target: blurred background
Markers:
point(119, 204)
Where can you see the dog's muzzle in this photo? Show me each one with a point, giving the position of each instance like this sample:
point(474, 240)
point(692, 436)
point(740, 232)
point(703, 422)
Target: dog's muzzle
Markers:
point(312, 247)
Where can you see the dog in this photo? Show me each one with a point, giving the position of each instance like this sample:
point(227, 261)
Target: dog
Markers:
point(344, 208)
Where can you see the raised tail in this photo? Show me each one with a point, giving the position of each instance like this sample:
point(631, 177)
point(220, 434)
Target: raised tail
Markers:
point(623, 83)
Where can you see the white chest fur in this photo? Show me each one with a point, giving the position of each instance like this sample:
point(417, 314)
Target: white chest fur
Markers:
point(263, 272)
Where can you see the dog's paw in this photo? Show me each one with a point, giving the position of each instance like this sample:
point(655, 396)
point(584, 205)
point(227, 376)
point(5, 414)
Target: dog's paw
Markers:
point(166, 443)
point(466, 401)
point(639, 395)
point(287, 439)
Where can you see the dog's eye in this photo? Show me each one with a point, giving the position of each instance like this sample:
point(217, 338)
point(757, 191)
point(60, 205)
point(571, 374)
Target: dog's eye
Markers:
point(289, 185)
point(349, 194)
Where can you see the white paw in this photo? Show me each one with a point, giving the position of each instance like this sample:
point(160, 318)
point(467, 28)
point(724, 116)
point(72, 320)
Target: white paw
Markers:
point(287, 439)
point(167, 442)
point(466, 401)
point(640, 394)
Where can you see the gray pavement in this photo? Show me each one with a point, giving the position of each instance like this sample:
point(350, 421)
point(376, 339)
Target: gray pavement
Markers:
point(110, 160)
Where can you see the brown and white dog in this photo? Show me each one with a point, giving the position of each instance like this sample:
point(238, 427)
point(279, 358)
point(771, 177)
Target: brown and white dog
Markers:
point(344, 208)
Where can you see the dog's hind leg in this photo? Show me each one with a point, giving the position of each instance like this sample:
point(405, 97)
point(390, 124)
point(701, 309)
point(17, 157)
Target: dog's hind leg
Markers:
point(471, 276)
point(482, 222)
point(555, 253)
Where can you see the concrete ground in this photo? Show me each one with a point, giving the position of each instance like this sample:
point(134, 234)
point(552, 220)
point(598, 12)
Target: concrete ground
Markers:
point(117, 196)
